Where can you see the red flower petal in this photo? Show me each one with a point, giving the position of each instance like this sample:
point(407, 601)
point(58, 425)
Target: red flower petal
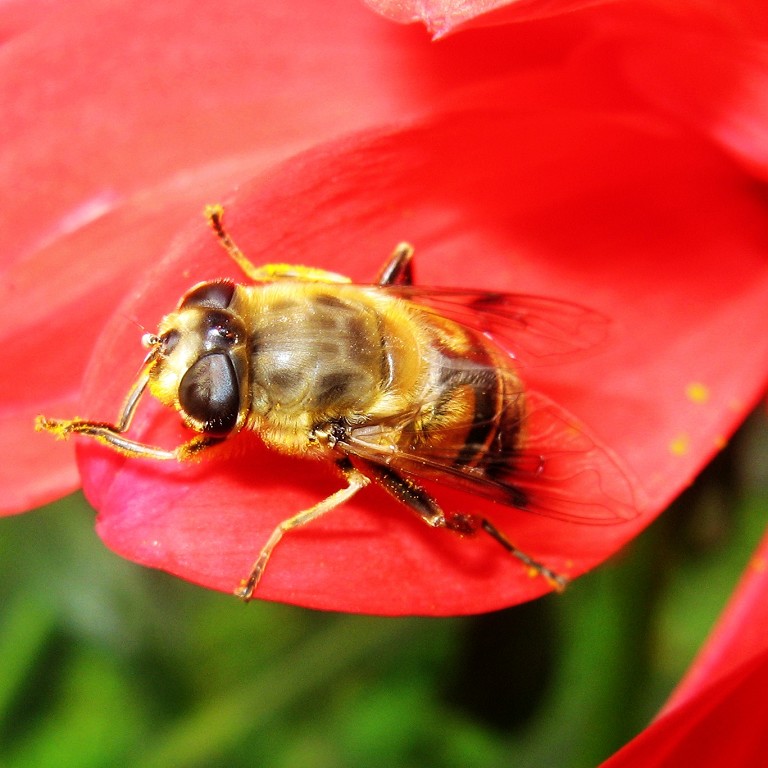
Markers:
point(721, 693)
point(738, 637)
point(441, 17)
point(201, 106)
point(90, 189)
point(709, 77)
point(550, 203)
point(105, 143)
point(58, 302)
point(724, 725)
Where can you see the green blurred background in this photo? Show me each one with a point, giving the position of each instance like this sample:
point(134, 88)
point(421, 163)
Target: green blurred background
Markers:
point(104, 663)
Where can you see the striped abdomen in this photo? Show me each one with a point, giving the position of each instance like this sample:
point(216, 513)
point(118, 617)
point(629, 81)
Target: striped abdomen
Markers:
point(476, 402)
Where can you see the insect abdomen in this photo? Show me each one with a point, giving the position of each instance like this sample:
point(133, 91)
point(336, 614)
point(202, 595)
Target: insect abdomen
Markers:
point(479, 402)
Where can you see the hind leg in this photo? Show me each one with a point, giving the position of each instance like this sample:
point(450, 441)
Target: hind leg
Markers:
point(416, 498)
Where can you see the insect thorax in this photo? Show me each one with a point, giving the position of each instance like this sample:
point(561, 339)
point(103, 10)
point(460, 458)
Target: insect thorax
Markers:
point(320, 354)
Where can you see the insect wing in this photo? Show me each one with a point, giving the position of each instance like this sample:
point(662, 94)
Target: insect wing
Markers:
point(533, 329)
point(566, 472)
point(560, 470)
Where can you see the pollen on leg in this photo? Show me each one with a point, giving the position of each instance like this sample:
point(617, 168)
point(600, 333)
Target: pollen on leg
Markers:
point(59, 428)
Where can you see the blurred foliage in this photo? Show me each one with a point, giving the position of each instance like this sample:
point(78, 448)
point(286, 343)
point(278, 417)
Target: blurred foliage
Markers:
point(106, 663)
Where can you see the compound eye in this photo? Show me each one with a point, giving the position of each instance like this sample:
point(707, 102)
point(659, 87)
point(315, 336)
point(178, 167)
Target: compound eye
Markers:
point(209, 393)
point(217, 294)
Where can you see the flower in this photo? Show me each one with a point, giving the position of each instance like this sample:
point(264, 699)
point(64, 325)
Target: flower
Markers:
point(547, 170)
point(719, 692)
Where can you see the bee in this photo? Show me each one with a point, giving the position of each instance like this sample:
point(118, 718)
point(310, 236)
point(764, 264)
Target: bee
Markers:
point(396, 384)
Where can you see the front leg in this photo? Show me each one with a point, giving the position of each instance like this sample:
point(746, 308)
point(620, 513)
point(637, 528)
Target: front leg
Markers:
point(112, 436)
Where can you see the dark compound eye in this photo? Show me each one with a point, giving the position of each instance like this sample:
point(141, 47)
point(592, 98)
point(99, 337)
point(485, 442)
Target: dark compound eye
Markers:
point(209, 393)
point(217, 294)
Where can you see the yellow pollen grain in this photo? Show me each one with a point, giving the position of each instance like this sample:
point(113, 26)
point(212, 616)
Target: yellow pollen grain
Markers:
point(758, 564)
point(720, 442)
point(697, 392)
point(679, 445)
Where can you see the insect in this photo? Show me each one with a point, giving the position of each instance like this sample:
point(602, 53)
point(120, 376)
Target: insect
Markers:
point(394, 383)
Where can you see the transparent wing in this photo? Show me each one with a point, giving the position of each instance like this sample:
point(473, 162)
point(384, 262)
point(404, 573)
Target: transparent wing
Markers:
point(559, 470)
point(532, 329)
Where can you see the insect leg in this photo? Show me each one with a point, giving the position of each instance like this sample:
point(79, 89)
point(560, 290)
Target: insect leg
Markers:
point(415, 497)
point(398, 269)
point(555, 579)
point(112, 435)
point(269, 272)
point(355, 481)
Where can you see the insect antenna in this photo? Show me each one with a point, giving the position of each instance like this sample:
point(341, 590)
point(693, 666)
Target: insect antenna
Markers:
point(133, 321)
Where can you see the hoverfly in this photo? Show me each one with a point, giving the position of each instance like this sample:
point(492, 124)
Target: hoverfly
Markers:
point(394, 383)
